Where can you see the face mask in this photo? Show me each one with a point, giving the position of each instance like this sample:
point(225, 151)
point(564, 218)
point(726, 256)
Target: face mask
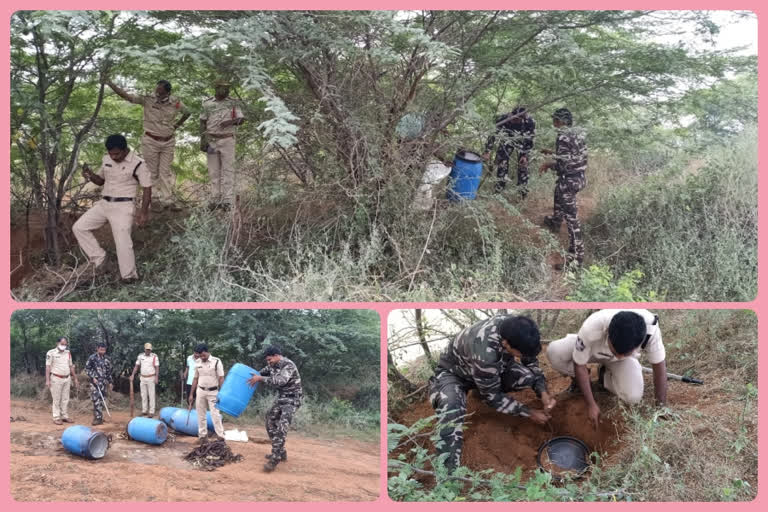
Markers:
point(62, 347)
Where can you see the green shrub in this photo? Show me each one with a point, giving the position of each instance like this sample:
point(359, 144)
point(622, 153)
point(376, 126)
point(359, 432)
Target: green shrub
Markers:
point(693, 232)
point(597, 284)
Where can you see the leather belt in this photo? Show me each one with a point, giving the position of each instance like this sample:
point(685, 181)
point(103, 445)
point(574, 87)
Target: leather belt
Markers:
point(60, 376)
point(214, 136)
point(158, 138)
point(150, 375)
point(209, 389)
point(110, 199)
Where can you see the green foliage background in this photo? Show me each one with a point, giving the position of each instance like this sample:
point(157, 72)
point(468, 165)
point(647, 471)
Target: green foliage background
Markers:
point(328, 187)
point(336, 351)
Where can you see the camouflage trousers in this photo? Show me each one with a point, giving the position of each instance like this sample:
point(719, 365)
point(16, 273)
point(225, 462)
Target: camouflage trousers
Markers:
point(566, 208)
point(503, 155)
point(98, 404)
point(279, 418)
point(448, 395)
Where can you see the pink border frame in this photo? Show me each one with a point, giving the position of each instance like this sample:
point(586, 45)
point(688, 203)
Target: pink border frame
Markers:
point(383, 502)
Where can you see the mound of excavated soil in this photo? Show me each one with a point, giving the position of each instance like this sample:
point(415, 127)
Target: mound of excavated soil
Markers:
point(503, 443)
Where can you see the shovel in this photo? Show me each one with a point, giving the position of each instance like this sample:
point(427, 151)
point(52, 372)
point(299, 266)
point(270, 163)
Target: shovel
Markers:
point(672, 376)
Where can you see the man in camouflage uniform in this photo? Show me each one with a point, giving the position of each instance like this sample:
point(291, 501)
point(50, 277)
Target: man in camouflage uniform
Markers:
point(99, 371)
point(517, 130)
point(280, 373)
point(570, 163)
point(159, 140)
point(221, 114)
point(484, 356)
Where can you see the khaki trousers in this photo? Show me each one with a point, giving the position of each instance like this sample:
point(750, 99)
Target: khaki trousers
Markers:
point(60, 396)
point(120, 218)
point(159, 156)
point(623, 378)
point(221, 169)
point(207, 400)
point(147, 386)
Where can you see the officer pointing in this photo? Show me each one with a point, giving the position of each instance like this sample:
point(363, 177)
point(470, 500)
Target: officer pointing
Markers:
point(159, 140)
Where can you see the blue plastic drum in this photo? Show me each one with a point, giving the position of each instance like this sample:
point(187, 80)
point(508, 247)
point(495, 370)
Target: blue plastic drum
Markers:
point(85, 442)
point(148, 430)
point(185, 421)
point(465, 176)
point(235, 393)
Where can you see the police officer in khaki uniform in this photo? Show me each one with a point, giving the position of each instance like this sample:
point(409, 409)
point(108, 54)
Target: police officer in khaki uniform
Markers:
point(58, 368)
point(614, 339)
point(149, 375)
point(209, 376)
point(221, 114)
point(121, 171)
point(159, 141)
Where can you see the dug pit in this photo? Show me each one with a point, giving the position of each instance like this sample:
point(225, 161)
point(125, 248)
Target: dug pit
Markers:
point(503, 443)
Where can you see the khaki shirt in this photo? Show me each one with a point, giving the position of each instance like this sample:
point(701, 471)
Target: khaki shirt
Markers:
point(593, 339)
point(60, 361)
point(208, 372)
point(216, 112)
point(147, 364)
point(118, 176)
point(159, 115)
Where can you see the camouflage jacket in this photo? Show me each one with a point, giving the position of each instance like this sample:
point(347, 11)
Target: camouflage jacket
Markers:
point(284, 376)
point(518, 132)
point(99, 368)
point(477, 357)
point(570, 152)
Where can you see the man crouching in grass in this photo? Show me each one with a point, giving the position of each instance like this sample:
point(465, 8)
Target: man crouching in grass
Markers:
point(494, 356)
point(614, 339)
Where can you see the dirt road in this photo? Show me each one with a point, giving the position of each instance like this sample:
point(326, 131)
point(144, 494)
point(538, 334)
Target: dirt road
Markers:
point(316, 470)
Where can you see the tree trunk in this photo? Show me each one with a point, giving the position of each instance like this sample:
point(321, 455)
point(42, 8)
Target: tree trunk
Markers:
point(395, 377)
point(27, 355)
point(422, 336)
point(52, 220)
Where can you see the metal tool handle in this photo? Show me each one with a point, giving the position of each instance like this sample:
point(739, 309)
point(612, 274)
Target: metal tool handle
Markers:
point(673, 376)
point(103, 401)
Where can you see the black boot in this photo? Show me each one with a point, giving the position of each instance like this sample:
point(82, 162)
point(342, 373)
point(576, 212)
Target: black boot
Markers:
point(97, 421)
point(271, 465)
point(551, 224)
point(572, 263)
point(283, 457)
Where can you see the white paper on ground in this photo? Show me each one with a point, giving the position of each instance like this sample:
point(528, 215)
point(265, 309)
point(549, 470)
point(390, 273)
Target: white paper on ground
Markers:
point(236, 435)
